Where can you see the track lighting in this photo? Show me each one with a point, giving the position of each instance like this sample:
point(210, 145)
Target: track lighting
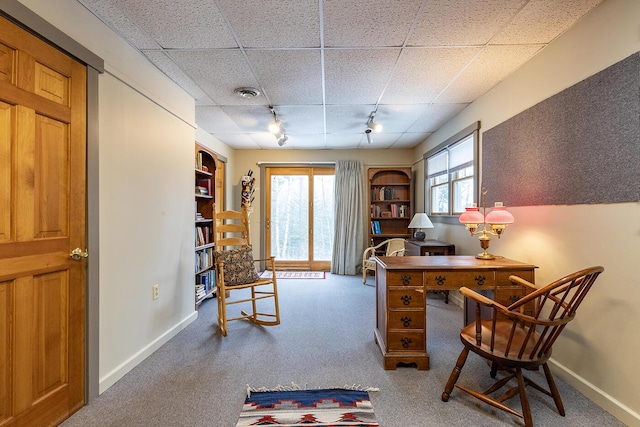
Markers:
point(372, 127)
point(277, 129)
point(376, 127)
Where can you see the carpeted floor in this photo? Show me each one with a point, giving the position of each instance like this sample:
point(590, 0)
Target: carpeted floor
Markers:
point(325, 340)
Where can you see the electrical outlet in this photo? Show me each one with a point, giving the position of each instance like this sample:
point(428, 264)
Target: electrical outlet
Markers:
point(155, 291)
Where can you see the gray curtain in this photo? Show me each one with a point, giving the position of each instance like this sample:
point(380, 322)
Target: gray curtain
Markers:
point(348, 229)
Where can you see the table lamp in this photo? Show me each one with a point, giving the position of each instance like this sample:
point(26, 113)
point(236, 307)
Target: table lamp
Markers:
point(486, 224)
point(420, 221)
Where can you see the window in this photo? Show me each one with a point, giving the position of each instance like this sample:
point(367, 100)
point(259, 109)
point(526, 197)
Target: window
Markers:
point(451, 171)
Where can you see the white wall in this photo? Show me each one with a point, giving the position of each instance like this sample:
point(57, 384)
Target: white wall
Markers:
point(146, 163)
point(598, 350)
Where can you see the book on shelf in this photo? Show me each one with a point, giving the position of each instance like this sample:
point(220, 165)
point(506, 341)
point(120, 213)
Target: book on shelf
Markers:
point(207, 280)
point(375, 227)
point(203, 235)
point(204, 259)
point(203, 186)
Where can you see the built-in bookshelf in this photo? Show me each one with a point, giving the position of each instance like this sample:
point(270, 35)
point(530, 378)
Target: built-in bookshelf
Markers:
point(390, 203)
point(205, 187)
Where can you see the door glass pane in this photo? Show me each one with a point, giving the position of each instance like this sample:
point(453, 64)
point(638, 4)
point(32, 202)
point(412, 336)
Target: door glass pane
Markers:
point(323, 202)
point(290, 217)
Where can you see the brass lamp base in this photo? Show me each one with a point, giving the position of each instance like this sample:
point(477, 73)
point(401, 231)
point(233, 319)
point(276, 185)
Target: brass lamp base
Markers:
point(485, 240)
point(485, 255)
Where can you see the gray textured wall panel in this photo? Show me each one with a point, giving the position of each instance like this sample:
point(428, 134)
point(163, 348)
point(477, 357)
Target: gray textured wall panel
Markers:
point(579, 146)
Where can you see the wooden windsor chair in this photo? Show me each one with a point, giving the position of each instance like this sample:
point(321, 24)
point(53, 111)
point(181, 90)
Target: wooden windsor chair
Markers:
point(520, 337)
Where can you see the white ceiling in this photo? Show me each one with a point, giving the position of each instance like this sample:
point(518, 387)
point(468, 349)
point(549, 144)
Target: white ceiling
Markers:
point(326, 65)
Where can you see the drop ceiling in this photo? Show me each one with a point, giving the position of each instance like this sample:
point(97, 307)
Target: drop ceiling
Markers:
point(326, 65)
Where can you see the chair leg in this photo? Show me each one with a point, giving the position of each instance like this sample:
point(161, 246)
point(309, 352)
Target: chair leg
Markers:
point(455, 374)
point(524, 399)
point(222, 310)
point(553, 389)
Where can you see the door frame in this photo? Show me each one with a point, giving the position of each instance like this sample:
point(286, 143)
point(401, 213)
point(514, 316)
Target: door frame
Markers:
point(27, 19)
point(313, 265)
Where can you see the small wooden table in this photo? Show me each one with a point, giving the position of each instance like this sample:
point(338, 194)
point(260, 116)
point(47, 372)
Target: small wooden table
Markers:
point(401, 288)
point(428, 247)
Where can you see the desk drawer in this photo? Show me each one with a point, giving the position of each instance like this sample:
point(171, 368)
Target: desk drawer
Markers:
point(502, 277)
point(409, 298)
point(412, 319)
point(406, 341)
point(454, 280)
point(404, 278)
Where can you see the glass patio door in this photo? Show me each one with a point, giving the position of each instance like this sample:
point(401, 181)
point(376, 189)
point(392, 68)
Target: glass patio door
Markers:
point(299, 216)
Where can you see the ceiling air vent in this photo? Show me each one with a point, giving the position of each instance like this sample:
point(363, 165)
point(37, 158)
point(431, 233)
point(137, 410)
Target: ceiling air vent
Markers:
point(247, 92)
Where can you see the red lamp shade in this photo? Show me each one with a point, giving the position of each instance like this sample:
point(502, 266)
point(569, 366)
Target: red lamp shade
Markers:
point(471, 215)
point(499, 215)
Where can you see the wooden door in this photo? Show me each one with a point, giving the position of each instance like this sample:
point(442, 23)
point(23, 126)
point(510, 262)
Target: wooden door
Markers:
point(42, 219)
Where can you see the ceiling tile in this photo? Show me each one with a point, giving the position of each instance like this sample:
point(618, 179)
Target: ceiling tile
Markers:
point(115, 18)
point(357, 76)
point(462, 22)
point(180, 24)
point(218, 72)
point(175, 73)
point(301, 119)
point(242, 141)
point(249, 118)
point(491, 66)
point(306, 142)
point(214, 120)
point(410, 140)
point(398, 117)
point(423, 73)
point(541, 21)
point(345, 141)
point(434, 116)
point(348, 118)
point(368, 23)
point(289, 77)
point(274, 23)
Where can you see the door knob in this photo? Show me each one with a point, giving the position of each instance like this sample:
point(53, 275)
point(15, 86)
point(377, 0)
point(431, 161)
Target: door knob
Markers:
point(78, 254)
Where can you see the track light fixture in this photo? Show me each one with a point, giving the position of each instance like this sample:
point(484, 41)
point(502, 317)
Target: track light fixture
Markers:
point(372, 127)
point(368, 134)
point(277, 129)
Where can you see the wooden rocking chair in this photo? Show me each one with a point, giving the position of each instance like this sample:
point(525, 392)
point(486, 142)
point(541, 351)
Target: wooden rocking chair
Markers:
point(520, 336)
point(236, 270)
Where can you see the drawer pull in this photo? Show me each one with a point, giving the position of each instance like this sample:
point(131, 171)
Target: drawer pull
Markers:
point(480, 280)
point(440, 280)
point(406, 299)
point(406, 342)
point(406, 321)
point(406, 280)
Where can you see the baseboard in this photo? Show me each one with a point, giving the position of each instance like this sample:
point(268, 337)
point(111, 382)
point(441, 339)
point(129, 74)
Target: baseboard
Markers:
point(616, 408)
point(112, 377)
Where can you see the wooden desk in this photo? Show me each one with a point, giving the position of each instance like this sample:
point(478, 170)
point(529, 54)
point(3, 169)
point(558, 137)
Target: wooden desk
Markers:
point(428, 247)
point(401, 288)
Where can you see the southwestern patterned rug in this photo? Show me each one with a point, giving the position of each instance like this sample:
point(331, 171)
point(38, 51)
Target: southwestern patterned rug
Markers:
point(294, 274)
point(288, 407)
